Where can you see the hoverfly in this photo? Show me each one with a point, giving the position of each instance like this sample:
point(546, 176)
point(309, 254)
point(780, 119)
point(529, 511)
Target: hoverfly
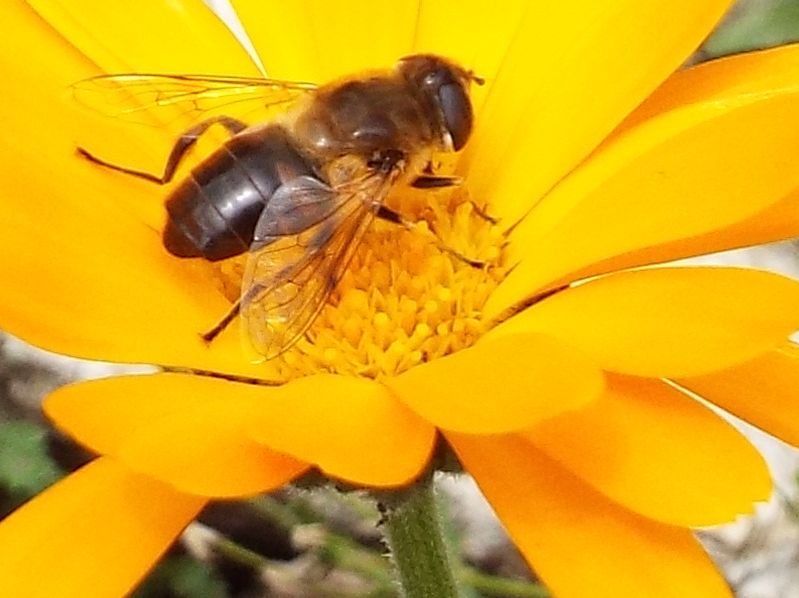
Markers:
point(299, 191)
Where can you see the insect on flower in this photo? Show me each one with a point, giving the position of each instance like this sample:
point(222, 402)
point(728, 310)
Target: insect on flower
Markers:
point(299, 191)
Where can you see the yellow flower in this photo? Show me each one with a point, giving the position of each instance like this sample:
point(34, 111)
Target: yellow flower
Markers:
point(571, 413)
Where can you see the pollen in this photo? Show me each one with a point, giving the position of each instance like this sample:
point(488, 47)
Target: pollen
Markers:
point(409, 295)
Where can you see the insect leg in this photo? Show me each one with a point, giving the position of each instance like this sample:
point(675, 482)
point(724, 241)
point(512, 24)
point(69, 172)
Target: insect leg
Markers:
point(482, 213)
point(432, 181)
point(390, 215)
point(232, 313)
point(182, 145)
point(223, 323)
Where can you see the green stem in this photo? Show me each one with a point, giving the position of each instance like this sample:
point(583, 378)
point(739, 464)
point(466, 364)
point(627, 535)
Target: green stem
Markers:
point(243, 556)
point(418, 551)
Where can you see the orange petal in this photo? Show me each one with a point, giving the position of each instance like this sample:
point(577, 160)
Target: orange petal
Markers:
point(715, 161)
point(95, 533)
point(211, 435)
point(566, 82)
point(761, 391)
point(351, 428)
point(319, 40)
point(778, 222)
point(185, 430)
point(150, 36)
point(668, 322)
point(580, 543)
point(658, 452)
point(500, 386)
point(758, 73)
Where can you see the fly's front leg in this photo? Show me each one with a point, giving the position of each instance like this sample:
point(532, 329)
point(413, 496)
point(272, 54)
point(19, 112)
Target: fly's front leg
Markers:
point(182, 145)
point(390, 215)
point(430, 180)
point(433, 181)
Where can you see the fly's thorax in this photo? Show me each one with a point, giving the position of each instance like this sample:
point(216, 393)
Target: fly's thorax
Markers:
point(364, 116)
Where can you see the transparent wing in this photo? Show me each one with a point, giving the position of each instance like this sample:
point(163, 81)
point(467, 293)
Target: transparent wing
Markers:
point(287, 282)
point(177, 101)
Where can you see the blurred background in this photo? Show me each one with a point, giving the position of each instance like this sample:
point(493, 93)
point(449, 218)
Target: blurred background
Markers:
point(298, 543)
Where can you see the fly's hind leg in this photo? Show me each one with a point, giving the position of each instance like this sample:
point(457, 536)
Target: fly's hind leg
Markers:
point(232, 313)
point(211, 334)
point(182, 145)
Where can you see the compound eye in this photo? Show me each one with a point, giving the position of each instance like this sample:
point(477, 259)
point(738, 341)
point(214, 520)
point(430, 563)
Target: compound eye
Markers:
point(457, 111)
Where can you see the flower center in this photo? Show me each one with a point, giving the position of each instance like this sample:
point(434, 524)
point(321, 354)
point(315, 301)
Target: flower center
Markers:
point(407, 296)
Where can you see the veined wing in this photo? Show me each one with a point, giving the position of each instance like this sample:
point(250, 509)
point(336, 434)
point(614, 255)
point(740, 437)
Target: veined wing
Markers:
point(288, 281)
point(177, 101)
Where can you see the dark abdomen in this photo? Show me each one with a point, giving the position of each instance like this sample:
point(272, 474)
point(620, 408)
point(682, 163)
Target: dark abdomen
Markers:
point(212, 214)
